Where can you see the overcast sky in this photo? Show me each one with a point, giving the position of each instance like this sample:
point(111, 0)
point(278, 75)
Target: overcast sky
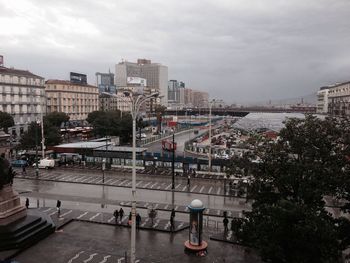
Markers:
point(237, 50)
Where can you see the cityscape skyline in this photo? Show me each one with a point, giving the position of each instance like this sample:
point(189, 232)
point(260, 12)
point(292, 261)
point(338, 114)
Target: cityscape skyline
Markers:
point(244, 51)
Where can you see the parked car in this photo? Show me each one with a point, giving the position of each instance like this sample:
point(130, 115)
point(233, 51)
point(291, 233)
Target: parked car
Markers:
point(19, 163)
point(45, 164)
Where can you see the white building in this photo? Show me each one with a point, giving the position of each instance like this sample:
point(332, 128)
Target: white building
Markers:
point(22, 94)
point(322, 101)
point(156, 76)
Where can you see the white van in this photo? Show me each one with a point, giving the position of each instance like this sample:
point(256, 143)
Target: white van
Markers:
point(45, 164)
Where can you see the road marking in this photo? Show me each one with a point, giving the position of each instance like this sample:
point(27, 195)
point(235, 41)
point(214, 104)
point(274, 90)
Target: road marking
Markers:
point(90, 258)
point(115, 181)
point(166, 207)
point(120, 259)
point(53, 213)
point(145, 186)
point(105, 259)
point(186, 208)
point(155, 207)
point(66, 213)
point(153, 185)
point(122, 182)
point(84, 180)
point(99, 181)
point(111, 219)
point(168, 187)
point(83, 214)
point(180, 225)
point(194, 187)
point(177, 186)
point(218, 212)
point(140, 182)
point(203, 175)
point(47, 210)
point(93, 217)
point(219, 189)
point(183, 189)
point(76, 256)
point(176, 207)
point(211, 188)
point(106, 182)
point(156, 223)
point(201, 190)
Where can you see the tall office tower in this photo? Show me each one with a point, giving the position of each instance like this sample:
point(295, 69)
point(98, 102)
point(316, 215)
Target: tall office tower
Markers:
point(75, 97)
point(22, 94)
point(155, 74)
point(105, 82)
point(176, 93)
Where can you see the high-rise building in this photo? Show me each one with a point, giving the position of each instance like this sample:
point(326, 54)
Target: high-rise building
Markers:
point(155, 74)
point(22, 94)
point(200, 99)
point(105, 82)
point(176, 93)
point(75, 97)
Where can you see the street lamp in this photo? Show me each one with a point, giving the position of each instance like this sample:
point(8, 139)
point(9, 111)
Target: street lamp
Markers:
point(36, 148)
point(136, 102)
point(103, 170)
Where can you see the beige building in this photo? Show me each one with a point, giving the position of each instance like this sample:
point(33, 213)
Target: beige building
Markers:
point(200, 99)
point(22, 94)
point(75, 99)
point(113, 102)
point(339, 99)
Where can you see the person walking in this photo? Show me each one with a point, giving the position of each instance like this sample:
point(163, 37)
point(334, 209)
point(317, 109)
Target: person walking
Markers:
point(116, 216)
point(27, 203)
point(24, 169)
point(121, 214)
point(58, 205)
point(129, 219)
point(188, 180)
point(172, 223)
point(138, 220)
point(172, 213)
point(225, 221)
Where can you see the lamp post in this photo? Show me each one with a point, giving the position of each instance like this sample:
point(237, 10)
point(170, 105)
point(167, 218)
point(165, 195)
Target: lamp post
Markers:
point(173, 172)
point(137, 101)
point(103, 170)
point(36, 148)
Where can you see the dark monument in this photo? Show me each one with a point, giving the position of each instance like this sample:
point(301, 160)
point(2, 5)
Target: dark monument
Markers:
point(18, 229)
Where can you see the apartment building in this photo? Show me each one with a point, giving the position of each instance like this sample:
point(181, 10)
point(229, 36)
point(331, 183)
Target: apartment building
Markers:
point(75, 98)
point(339, 99)
point(113, 102)
point(22, 94)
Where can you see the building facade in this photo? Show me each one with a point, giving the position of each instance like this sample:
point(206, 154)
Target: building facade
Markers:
point(176, 93)
point(322, 101)
point(200, 99)
point(75, 99)
point(22, 94)
point(113, 102)
point(339, 99)
point(105, 82)
point(155, 74)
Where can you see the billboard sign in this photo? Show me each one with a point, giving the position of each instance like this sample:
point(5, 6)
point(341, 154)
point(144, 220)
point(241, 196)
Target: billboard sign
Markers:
point(78, 78)
point(136, 80)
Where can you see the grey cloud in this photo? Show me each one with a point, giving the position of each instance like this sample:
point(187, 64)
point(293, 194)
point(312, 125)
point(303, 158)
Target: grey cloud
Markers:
point(237, 50)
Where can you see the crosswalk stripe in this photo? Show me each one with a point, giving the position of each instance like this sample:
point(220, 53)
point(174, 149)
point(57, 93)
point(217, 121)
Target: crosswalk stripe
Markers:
point(105, 259)
point(90, 258)
point(211, 188)
point(76, 256)
point(83, 214)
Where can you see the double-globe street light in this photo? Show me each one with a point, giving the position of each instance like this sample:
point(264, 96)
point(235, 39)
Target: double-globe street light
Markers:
point(136, 101)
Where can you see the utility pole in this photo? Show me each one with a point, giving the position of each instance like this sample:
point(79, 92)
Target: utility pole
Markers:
point(209, 154)
point(36, 150)
point(173, 171)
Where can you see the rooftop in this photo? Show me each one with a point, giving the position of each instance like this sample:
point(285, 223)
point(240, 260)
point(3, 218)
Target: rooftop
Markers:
point(18, 72)
point(67, 82)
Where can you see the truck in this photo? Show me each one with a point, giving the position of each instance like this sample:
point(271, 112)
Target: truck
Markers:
point(45, 163)
point(168, 145)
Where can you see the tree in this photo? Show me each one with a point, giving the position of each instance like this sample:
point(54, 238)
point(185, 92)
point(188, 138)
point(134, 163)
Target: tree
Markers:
point(288, 221)
point(56, 118)
point(160, 110)
point(52, 124)
point(6, 121)
point(109, 123)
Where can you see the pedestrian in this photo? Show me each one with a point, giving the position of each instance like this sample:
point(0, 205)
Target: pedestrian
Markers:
point(121, 214)
point(58, 205)
point(24, 169)
point(188, 180)
point(172, 212)
point(225, 221)
point(129, 219)
point(172, 225)
point(27, 203)
point(138, 220)
point(116, 215)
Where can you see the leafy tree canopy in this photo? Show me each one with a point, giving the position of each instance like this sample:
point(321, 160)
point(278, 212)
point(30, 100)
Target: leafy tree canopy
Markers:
point(56, 118)
point(6, 121)
point(289, 183)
